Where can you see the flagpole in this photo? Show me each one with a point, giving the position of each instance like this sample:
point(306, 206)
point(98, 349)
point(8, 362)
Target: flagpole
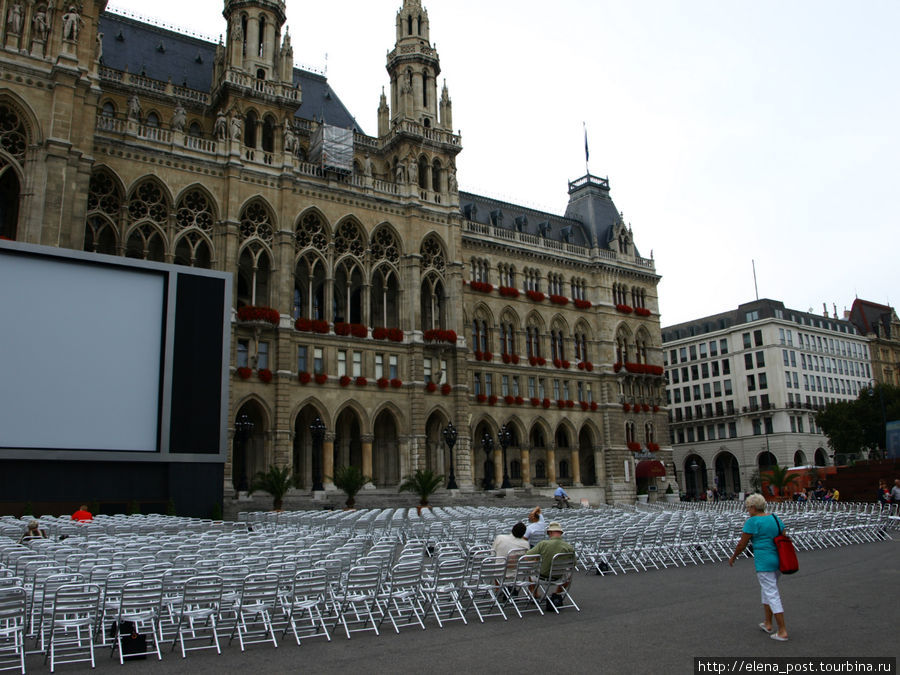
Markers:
point(587, 153)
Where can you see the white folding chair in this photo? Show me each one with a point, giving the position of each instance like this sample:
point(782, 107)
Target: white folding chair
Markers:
point(402, 596)
point(484, 589)
point(519, 590)
point(73, 623)
point(258, 601)
point(359, 599)
point(198, 613)
point(12, 628)
point(309, 597)
point(557, 584)
point(442, 591)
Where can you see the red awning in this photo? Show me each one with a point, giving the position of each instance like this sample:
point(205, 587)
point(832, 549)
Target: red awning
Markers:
point(650, 468)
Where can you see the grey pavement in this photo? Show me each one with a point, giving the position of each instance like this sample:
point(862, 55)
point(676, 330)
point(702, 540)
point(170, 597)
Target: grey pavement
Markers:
point(843, 602)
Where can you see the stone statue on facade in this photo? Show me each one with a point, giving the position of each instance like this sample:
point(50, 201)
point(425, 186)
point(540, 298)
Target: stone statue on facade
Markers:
point(221, 125)
point(14, 19)
point(368, 166)
point(290, 140)
point(236, 127)
point(413, 171)
point(179, 118)
point(399, 173)
point(134, 109)
point(72, 23)
point(40, 24)
point(99, 48)
point(451, 179)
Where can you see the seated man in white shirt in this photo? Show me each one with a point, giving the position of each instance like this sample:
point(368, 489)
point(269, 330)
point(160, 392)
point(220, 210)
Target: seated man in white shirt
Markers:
point(514, 543)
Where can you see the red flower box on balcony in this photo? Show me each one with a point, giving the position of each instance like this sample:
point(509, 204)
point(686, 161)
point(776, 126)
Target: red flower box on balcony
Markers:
point(559, 299)
point(481, 287)
point(541, 361)
point(361, 382)
point(357, 330)
point(560, 403)
point(379, 333)
point(396, 383)
point(446, 389)
point(487, 356)
point(625, 309)
point(514, 358)
point(509, 400)
point(535, 402)
point(557, 363)
point(546, 403)
point(656, 408)
point(585, 405)
point(304, 378)
point(642, 311)
point(570, 403)
point(508, 292)
point(264, 314)
point(436, 335)
point(478, 356)
point(265, 375)
point(244, 373)
point(431, 387)
point(537, 296)
point(519, 400)
point(383, 383)
point(321, 378)
point(506, 358)
point(344, 381)
point(634, 446)
point(396, 335)
point(626, 407)
point(341, 328)
point(594, 405)
point(532, 360)
point(617, 367)
point(481, 398)
point(566, 364)
point(646, 407)
point(582, 304)
point(653, 447)
point(492, 400)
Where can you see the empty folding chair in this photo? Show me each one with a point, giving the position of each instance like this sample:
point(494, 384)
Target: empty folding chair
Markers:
point(257, 602)
point(484, 589)
point(309, 598)
point(520, 589)
point(402, 596)
point(442, 592)
point(357, 604)
point(139, 608)
point(198, 613)
point(73, 623)
point(12, 628)
point(557, 584)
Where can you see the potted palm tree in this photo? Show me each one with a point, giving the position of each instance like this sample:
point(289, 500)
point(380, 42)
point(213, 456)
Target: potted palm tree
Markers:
point(276, 481)
point(350, 480)
point(424, 483)
point(780, 478)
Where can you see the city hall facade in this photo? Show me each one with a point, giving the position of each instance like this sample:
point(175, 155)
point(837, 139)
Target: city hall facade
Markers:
point(370, 294)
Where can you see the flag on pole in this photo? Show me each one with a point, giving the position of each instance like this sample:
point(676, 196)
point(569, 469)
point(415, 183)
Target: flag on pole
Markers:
point(587, 153)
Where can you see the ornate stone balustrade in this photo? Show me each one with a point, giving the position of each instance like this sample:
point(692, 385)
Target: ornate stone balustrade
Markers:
point(156, 86)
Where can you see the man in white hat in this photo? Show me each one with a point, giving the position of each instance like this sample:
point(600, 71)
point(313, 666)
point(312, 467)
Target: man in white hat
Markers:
point(547, 549)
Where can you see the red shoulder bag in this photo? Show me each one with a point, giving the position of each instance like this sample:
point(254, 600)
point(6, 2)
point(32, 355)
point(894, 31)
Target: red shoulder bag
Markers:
point(787, 555)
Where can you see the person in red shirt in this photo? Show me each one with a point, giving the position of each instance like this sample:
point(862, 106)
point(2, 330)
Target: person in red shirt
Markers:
point(82, 515)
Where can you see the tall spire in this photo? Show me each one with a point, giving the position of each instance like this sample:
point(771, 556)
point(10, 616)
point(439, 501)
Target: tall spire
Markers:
point(414, 66)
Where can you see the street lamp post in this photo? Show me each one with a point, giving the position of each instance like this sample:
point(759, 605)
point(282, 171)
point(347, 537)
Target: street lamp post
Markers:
point(695, 468)
point(317, 430)
point(450, 435)
point(504, 437)
point(487, 444)
point(873, 386)
point(243, 428)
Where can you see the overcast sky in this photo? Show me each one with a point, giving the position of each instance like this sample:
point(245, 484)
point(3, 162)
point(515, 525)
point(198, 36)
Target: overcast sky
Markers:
point(730, 131)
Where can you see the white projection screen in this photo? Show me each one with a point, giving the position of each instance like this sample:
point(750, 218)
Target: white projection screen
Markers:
point(82, 348)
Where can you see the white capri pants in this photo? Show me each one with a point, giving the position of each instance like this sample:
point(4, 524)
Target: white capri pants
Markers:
point(768, 584)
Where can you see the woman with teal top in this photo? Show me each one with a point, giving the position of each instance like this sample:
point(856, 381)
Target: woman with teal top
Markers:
point(761, 528)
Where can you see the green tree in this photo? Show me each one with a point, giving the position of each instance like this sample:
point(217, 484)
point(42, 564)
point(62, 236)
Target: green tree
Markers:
point(779, 477)
point(423, 483)
point(350, 480)
point(852, 426)
point(276, 481)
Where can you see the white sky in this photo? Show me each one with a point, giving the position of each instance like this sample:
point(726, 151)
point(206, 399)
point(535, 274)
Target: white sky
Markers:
point(730, 131)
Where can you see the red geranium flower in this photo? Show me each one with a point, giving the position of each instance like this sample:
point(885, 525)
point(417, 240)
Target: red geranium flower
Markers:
point(379, 333)
point(593, 405)
point(582, 304)
point(396, 335)
point(396, 383)
point(542, 361)
point(585, 405)
point(482, 398)
point(492, 400)
point(570, 403)
point(546, 403)
point(535, 401)
point(321, 378)
point(344, 381)
point(361, 382)
point(446, 389)
point(509, 400)
point(532, 360)
point(560, 403)
point(244, 373)
point(536, 296)
point(488, 356)
point(519, 400)
point(304, 378)
point(383, 382)
point(515, 358)
point(265, 375)
point(626, 407)
point(506, 358)
point(431, 387)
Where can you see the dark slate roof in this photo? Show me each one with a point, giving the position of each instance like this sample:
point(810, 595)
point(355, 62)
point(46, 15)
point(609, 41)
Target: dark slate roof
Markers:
point(590, 203)
point(871, 317)
point(162, 54)
point(489, 211)
point(764, 308)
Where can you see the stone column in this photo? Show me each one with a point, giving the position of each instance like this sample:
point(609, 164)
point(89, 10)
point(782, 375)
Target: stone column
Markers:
point(367, 455)
point(525, 454)
point(576, 467)
point(551, 465)
point(498, 466)
point(328, 460)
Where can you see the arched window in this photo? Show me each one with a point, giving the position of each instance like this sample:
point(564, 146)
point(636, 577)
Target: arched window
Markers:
point(193, 250)
point(152, 120)
point(109, 109)
point(194, 210)
point(254, 269)
point(540, 469)
point(195, 130)
point(256, 222)
point(311, 233)
point(563, 468)
point(261, 47)
point(268, 134)
point(250, 122)
point(348, 281)
point(309, 288)
point(423, 172)
point(384, 299)
point(436, 176)
point(104, 211)
point(432, 264)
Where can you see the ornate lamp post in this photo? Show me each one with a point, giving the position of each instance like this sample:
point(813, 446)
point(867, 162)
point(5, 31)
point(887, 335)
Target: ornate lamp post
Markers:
point(694, 467)
point(450, 435)
point(487, 444)
point(243, 428)
point(504, 437)
point(317, 429)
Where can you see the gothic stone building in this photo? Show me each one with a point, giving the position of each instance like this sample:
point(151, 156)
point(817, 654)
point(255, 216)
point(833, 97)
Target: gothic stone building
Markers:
point(369, 292)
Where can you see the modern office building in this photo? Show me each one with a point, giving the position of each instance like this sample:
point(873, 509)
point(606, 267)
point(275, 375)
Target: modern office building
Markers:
point(743, 388)
point(374, 303)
